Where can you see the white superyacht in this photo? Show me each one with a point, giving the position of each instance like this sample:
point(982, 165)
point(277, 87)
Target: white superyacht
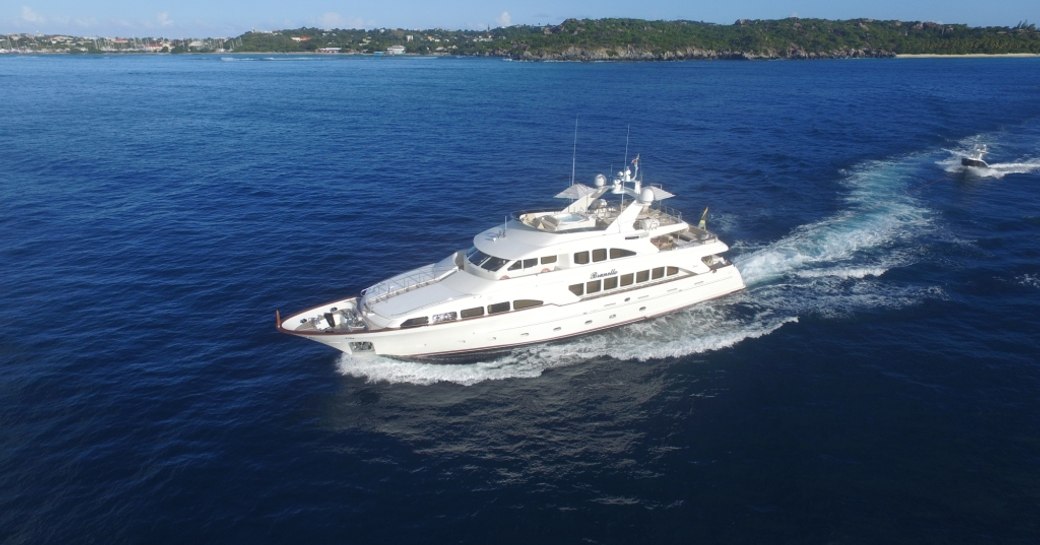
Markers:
point(613, 256)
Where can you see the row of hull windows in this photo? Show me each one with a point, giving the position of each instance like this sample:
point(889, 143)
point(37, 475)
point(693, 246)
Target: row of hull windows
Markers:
point(621, 281)
point(520, 264)
point(475, 312)
point(586, 288)
point(601, 254)
point(492, 263)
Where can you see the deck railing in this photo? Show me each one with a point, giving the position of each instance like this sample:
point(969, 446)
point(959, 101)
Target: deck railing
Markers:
point(413, 279)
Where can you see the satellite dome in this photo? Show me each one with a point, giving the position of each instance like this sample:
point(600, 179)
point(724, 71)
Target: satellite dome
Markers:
point(601, 180)
point(646, 196)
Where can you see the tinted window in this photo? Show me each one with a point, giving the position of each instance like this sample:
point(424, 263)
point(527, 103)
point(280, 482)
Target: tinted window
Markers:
point(599, 255)
point(548, 259)
point(658, 272)
point(415, 322)
point(618, 253)
point(473, 312)
point(476, 257)
point(493, 263)
point(485, 261)
point(592, 286)
point(610, 283)
point(581, 258)
point(577, 289)
point(626, 279)
point(525, 303)
point(498, 307)
point(642, 276)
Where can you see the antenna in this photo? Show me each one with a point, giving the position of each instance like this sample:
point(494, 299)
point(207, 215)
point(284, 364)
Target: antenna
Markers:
point(627, 134)
point(574, 149)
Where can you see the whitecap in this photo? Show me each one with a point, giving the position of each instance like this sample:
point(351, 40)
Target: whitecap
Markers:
point(1028, 280)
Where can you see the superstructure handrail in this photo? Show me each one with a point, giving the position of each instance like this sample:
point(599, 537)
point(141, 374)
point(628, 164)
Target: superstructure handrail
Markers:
point(416, 278)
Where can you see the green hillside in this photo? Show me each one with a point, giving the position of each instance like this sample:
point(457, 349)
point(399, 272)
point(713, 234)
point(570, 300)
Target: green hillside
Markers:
point(634, 39)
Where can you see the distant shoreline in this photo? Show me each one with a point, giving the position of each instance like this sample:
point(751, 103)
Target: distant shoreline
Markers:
point(962, 56)
point(610, 39)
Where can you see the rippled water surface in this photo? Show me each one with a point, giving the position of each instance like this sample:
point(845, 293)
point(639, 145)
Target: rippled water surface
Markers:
point(875, 383)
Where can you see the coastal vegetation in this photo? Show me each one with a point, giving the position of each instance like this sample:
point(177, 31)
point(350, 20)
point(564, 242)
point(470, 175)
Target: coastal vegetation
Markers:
point(609, 39)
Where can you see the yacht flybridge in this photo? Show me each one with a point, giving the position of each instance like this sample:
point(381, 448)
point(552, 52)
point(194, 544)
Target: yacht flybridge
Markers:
point(612, 256)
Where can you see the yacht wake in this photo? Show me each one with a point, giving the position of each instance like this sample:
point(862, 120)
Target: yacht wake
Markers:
point(830, 268)
point(834, 266)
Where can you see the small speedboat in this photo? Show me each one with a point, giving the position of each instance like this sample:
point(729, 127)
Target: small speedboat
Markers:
point(974, 159)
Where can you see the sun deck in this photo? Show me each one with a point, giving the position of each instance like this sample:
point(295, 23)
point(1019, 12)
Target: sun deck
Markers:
point(598, 219)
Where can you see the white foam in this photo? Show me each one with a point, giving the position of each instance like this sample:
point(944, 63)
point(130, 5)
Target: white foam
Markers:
point(381, 369)
point(711, 326)
point(880, 215)
point(844, 272)
point(1028, 280)
point(994, 170)
point(833, 267)
point(840, 297)
point(999, 170)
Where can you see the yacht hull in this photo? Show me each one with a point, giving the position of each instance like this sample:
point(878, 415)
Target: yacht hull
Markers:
point(463, 340)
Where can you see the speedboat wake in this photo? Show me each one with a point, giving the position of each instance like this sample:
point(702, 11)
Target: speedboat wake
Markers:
point(972, 163)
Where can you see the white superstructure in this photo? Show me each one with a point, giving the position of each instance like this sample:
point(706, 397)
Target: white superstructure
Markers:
point(612, 256)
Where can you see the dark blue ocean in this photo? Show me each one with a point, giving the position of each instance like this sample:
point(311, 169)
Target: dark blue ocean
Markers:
point(877, 382)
